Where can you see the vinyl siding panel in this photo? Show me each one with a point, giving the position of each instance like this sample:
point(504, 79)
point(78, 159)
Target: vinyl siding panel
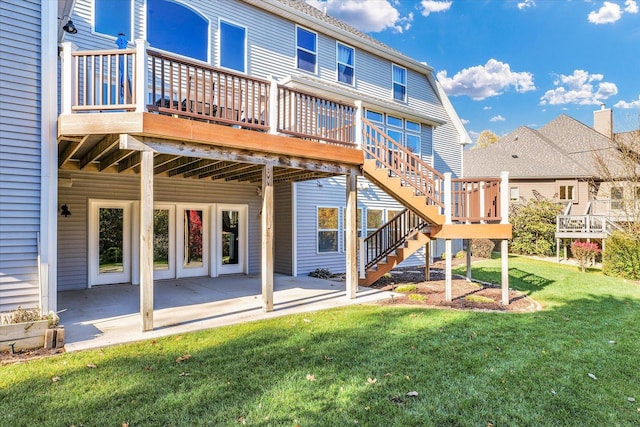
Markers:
point(283, 263)
point(19, 152)
point(73, 230)
point(332, 193)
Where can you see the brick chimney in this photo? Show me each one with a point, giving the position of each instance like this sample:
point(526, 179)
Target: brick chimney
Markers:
point(603, 121)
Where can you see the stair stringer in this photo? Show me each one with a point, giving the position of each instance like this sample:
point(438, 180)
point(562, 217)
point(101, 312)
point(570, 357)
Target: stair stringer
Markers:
point(392, 261)
point(405, 195)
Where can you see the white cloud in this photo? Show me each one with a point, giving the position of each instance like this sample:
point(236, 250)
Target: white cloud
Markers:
point(625, 104)
point(487, 108)
point(578, 88)
point(483, 81)
point(631, 6)
point(433, 6)
point(497, 118)
point(464, 121)
point(365, 15)
point(526, 3)
point(607, 14)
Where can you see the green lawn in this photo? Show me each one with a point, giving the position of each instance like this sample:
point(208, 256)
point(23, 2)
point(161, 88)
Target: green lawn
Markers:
point(354, 366)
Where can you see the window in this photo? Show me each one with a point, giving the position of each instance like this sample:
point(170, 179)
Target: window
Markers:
point(514, 194)
point(374, 116)
point(112, 17)
point(166, 19)
point(391, 213)
point(399, 83)
point(233, 43)
point(346, 56)
point(394, 121)
point(374, 220)
point(306, 48)
point(413, 143)
point(616, 198)
point(327, 225)
point(567, 192)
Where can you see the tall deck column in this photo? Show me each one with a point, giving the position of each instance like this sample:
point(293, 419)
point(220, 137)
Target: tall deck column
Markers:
point(504, 244)
point(146, 240)
point(267, 238)
point(448, 189)
point(351, 238)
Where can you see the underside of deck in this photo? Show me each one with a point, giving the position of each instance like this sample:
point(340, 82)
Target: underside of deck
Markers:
point(112, 142)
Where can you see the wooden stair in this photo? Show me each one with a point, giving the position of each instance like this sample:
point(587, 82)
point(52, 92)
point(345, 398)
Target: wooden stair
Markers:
point(402, 253)
point(405, 195)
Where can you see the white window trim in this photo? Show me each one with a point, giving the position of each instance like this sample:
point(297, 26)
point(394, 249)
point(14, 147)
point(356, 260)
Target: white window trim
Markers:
point(353, 83)
point(315, 53)
point(511, 191)
point(219, 45)
point(337, 230)
point(343, 247)
point(393, 82)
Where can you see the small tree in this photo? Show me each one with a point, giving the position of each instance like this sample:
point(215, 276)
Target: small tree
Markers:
point(486, 138)
point(534, 226)
point(584, 252)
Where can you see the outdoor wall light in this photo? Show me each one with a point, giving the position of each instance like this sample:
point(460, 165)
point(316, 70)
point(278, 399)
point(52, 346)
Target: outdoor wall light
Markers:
point(69, 27)
point(64, 210)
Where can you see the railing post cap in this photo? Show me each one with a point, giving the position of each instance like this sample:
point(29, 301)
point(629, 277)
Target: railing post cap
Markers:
point(141, 42)
point(69, 45)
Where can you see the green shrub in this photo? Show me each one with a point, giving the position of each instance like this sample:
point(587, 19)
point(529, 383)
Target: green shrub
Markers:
point(406, 288)
point(461, 254)
point(621, 256)
point(478, 298)
point(534, 227)
point(417, 297)
point(482, 248)
point(443, 256)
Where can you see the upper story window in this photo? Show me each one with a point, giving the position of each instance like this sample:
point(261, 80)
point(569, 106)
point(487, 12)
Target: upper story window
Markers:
point(399, 83)
point(306, 50)
point(346, 61)
point(175, 28)
point(233, 42)
point(112, 17)
point(617, 201)
point(567, 192)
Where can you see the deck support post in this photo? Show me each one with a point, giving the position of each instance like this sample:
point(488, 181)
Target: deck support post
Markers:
point(504, 244)
point(267, 238)
point(273, 106)
point(359, 125)
point(448, 215)
point(557, 249)
point(351, 242)
point(447, 263)
point(468, 250)
point(427, 261)
point(146, 240)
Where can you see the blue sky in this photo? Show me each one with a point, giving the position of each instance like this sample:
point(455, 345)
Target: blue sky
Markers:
point(507, 63)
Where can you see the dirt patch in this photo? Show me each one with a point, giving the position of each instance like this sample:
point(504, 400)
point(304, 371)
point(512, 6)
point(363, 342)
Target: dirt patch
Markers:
point(21, 356)
point(411, 288)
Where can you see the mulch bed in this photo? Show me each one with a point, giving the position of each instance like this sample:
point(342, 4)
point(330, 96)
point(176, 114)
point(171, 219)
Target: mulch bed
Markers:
point(465, 295)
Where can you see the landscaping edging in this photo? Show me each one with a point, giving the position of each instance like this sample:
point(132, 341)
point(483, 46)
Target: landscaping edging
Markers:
point(23, 336)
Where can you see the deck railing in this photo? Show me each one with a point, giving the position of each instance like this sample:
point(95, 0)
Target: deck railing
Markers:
point(199, 91)
point(586, 224)
point(392, 235)
point(305, 115)
point(411, 169)
point(476, 200)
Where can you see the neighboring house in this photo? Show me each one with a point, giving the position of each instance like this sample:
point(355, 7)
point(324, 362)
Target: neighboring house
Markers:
point(238, 146)
point(562, 161)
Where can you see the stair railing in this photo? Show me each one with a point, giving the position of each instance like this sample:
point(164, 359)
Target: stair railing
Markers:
point(392, 235)
point(411, 169)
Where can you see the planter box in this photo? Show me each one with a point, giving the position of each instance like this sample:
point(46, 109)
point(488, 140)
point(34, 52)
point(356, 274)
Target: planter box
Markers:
point(24, 336)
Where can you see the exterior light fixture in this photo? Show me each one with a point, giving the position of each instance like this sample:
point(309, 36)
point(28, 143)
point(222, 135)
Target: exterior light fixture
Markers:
point(69, 27)
point(64, 210)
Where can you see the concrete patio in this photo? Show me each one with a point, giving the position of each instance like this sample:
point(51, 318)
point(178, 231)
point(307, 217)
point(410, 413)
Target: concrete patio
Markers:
point(109, 315)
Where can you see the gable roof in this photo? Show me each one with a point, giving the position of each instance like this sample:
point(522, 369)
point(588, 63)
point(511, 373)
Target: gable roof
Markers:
point(563, 148)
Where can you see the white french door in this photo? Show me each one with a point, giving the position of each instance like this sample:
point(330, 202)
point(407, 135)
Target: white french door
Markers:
point(231, 251)
point(164, 242)
point(109, 242)
point(192, 246)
